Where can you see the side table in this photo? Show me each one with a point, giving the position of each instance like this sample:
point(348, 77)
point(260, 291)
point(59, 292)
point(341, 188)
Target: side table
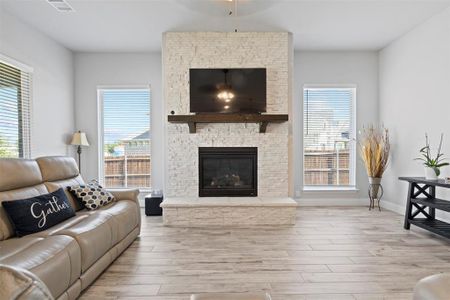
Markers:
point(152, 202)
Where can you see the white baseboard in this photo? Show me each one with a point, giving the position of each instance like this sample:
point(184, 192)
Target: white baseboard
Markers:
point(395, 207)
point(400, 209)
point(332, 201)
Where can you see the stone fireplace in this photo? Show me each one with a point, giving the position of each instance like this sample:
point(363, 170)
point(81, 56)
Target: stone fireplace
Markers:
point(269, 50)
point(193, 180)
point(227, 171)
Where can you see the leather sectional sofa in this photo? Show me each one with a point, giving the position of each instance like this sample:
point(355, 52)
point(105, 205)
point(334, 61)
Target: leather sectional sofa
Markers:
point(67, 257)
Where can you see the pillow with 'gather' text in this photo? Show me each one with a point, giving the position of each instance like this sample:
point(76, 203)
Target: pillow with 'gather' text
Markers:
point(91, 194)
point(38, 213)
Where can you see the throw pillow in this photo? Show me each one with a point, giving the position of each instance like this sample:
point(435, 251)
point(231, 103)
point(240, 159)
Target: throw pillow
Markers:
point(38, 213)
point(92, 194)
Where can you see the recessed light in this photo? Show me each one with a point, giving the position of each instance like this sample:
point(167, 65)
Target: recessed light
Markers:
point(61, 5)
point(226, 107)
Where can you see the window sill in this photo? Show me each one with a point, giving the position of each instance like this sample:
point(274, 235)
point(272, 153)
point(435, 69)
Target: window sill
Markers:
point(330, 189)
point(141, 190)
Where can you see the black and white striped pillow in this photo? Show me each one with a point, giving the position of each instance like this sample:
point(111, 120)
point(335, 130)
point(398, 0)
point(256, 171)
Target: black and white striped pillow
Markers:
point(92, 194)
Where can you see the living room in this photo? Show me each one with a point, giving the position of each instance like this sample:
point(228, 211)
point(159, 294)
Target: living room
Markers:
point(225, 149)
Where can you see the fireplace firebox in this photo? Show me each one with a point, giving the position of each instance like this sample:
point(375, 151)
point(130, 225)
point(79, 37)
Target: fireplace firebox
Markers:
point(228, 171)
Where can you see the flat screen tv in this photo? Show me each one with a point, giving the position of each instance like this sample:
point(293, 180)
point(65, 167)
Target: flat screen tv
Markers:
point(227, 90)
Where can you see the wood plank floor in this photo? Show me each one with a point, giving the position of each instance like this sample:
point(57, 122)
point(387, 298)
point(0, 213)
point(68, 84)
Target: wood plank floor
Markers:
point(331, 253)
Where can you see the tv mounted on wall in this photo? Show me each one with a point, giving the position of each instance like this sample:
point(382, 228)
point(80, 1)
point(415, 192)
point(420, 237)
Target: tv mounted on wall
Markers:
point(227, 90)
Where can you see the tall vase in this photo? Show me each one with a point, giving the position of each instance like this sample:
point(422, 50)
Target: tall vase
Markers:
point(374, 183)
point(375, 192)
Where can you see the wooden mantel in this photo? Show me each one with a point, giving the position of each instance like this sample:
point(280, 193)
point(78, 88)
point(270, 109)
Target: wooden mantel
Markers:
point(263, 119)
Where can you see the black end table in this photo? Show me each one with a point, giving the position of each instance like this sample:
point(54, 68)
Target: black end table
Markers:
point(152, 203)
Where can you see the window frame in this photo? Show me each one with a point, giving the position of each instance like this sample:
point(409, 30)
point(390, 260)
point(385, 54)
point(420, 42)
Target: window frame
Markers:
point(26, 142)
point(352, 162)
point(100, 125)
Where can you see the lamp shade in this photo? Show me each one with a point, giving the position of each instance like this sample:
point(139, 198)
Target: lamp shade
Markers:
point(79, 138)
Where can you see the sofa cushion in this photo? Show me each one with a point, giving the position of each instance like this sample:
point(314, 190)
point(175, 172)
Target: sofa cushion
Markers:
point(124, 217)
point(55, 260)
point(91, 194)
point(61, 226)
point(18, 173)
point(38, 213)
point(13, 246)
point(95, 237)
point(6, 228)
point(55, 168)
point(99, 231)
point(54, 185)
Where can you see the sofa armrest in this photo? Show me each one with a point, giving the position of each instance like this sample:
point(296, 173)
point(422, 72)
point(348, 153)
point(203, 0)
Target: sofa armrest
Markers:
point(20, 284)
point(125, 194)
point(434, 287)
point(128, 194)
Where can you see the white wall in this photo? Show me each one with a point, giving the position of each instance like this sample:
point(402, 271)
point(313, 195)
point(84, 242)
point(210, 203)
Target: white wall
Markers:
point(414, 99)
point(360, 68)
point(117, 69)
point(52, 89)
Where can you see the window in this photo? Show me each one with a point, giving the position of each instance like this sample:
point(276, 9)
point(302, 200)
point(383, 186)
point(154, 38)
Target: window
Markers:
point(125, 137)
point(15, 100)
point(328, 137)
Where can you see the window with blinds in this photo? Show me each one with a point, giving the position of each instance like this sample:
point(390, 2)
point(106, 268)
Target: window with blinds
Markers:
point(15, 105)
point(328, 137)
point(126, 139)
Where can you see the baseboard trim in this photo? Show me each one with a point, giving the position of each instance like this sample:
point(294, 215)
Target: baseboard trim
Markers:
point(332, 202)
point(400, 209)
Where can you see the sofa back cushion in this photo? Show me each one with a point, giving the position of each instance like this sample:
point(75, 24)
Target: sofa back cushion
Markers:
point(6, 228)
point(54, 168)
point(53, 186)
point(18, 173)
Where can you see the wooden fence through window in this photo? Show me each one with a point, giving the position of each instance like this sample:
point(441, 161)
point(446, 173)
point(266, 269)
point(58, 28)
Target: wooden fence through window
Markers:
point(128, 171)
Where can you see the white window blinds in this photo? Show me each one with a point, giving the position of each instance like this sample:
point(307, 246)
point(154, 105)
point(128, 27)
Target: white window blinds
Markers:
point(328, 136)
point(15, 102)
point(126, 137)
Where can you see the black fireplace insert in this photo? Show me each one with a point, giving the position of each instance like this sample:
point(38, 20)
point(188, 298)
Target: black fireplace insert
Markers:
point(228, 171)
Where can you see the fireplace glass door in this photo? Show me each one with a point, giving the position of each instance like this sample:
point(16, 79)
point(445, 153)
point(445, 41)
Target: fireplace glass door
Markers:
point(227, 171)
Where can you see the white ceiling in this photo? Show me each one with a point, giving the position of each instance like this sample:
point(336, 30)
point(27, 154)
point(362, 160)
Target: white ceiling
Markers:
point(137, 25)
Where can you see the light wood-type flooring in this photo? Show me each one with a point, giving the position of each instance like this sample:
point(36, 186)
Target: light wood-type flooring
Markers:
point(331, 253)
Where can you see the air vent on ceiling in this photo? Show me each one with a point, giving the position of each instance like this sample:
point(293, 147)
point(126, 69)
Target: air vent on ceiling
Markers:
point(61, 5)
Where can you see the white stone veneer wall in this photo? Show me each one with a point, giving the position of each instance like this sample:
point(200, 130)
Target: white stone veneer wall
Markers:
point(184, 50)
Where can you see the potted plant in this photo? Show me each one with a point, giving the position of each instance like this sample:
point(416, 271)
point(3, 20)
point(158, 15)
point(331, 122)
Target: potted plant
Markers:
point(374, 147)
point(432, 164)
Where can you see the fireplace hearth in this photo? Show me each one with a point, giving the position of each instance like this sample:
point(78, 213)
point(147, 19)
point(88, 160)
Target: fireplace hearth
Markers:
point(228, 171)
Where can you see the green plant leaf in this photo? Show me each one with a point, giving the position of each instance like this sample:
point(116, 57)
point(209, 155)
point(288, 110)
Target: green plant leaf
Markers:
point(442, 164)
point(423, 149)
point(437, 171)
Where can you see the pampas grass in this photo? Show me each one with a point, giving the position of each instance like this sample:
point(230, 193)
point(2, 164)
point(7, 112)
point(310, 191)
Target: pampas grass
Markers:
point(374, 149)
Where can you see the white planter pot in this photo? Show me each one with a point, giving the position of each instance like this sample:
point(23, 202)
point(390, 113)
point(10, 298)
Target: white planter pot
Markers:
point(430, 174)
